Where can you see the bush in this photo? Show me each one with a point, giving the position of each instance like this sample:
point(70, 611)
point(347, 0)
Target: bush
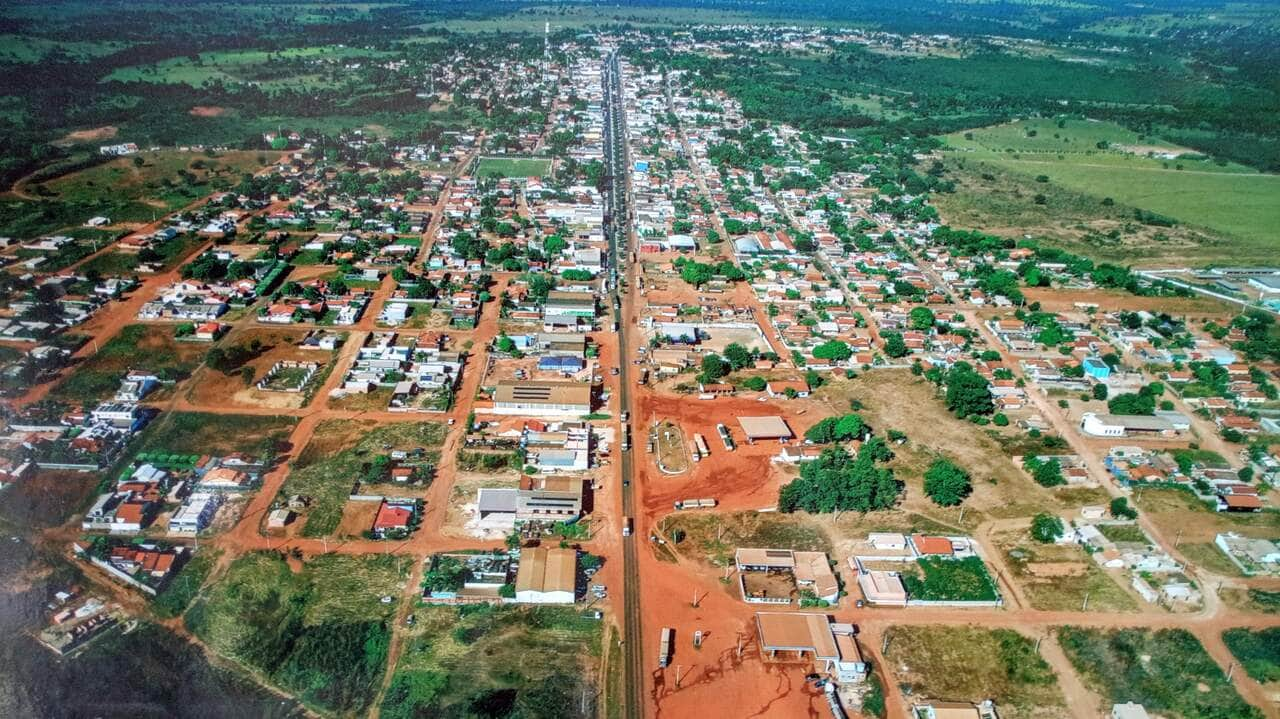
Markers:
point(1121, 509)
point(951, 580)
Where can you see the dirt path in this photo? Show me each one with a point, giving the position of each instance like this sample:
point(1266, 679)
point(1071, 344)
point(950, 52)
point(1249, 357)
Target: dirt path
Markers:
point(1082, 703)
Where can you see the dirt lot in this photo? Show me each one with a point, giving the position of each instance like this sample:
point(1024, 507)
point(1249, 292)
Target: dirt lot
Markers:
point(357, 518)
point(672, 453)
point(462, 501)
point(1059, 300)
point(1057, 577)
point(1177, 513)
point(211, 387)
point(509, 369)
point(894, 399)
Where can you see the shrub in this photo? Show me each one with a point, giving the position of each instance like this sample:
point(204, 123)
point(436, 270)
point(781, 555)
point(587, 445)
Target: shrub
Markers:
point(1046, 528)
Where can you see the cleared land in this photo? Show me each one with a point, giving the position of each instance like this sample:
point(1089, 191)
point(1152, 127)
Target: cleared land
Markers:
point(1137, 665)
point(216, 434)
point(239, 387)
point(971, 664)
point(1188, 188)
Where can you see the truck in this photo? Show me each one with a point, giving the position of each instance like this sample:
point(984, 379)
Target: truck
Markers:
point(693, 451)
point(725, 437)
point(626, 526)
point(626, 436)
point(702, 445)
point(694, 504)
point(664, 647)
point(644, 376)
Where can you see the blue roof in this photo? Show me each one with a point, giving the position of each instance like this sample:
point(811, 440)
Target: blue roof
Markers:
point(560, 363)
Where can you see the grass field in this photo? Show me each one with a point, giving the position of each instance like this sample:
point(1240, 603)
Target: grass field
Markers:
point(1137, 664)
point(494, 661)
point(998, 664)
point(512, 167)
point(320, 632)
point(1189, 189)
point(137, 347)
point(330, 464)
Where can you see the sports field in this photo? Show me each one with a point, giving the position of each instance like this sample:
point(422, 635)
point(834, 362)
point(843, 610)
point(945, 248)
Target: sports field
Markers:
point(513, 167)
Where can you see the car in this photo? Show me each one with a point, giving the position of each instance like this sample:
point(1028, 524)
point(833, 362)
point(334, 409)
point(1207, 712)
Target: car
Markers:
point(614, 371)
point(626, 483)
point(626, 416)
point(452, 421)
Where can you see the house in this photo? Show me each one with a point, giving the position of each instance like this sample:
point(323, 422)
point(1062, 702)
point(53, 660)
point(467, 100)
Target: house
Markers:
point(279, 518)
point(542, 398)
point(807, 571)
point(547, 575)
point(225, 479)
point(883, 588)
point(810, 634)
point(1096, 368)
point(779, 388)
point(195, 514)
point(393, 518)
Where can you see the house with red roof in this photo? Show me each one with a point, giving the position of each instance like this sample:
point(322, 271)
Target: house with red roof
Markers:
point(395, 518)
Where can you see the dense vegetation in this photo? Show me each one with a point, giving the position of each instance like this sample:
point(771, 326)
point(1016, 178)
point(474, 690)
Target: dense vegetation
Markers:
point(1135, 665)
point(837, 481)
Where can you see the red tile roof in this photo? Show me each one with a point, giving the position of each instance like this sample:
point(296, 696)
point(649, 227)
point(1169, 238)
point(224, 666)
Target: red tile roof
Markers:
point(392, 517)
point(932, 545)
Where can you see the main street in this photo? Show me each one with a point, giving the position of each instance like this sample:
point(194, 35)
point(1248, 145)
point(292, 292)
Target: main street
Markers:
point(617, 228)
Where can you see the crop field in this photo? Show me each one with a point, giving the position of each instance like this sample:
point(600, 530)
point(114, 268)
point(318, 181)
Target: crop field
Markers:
point(320, 633)
point(1057, 578)
point(328, 467)
point(137, 347)
point(999, 664)
point(1106, 663)
point(1189, 189)
point(512, 167)
point(216, 434)
point(499, 660)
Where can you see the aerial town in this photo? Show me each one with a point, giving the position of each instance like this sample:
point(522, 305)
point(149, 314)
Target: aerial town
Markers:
point(632, 384)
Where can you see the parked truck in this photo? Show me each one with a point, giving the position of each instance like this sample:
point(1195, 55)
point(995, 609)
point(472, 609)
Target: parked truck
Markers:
point(664, 648)
point(694, 503)
point(626, 436)
point(693, 451)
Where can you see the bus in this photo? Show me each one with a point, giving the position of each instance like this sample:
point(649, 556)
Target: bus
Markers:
point(664, 648)
point(702, 445)
point(725, 437)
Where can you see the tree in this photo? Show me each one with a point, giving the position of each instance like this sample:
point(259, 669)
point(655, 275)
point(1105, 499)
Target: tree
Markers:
point(833, 350)
point(755, 384)
point(835, 429)
point(921, 318)
point(1046, 474)
point(1130, 403)
point(967, 392)
point(1100, 391)
point(737, 355)
point(894, 345)
point(696, 273)
point(1121, 509)
point(1046, 528)
point(946, 484)
point(554, 245)
point(836, 481)
point(713, 368)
